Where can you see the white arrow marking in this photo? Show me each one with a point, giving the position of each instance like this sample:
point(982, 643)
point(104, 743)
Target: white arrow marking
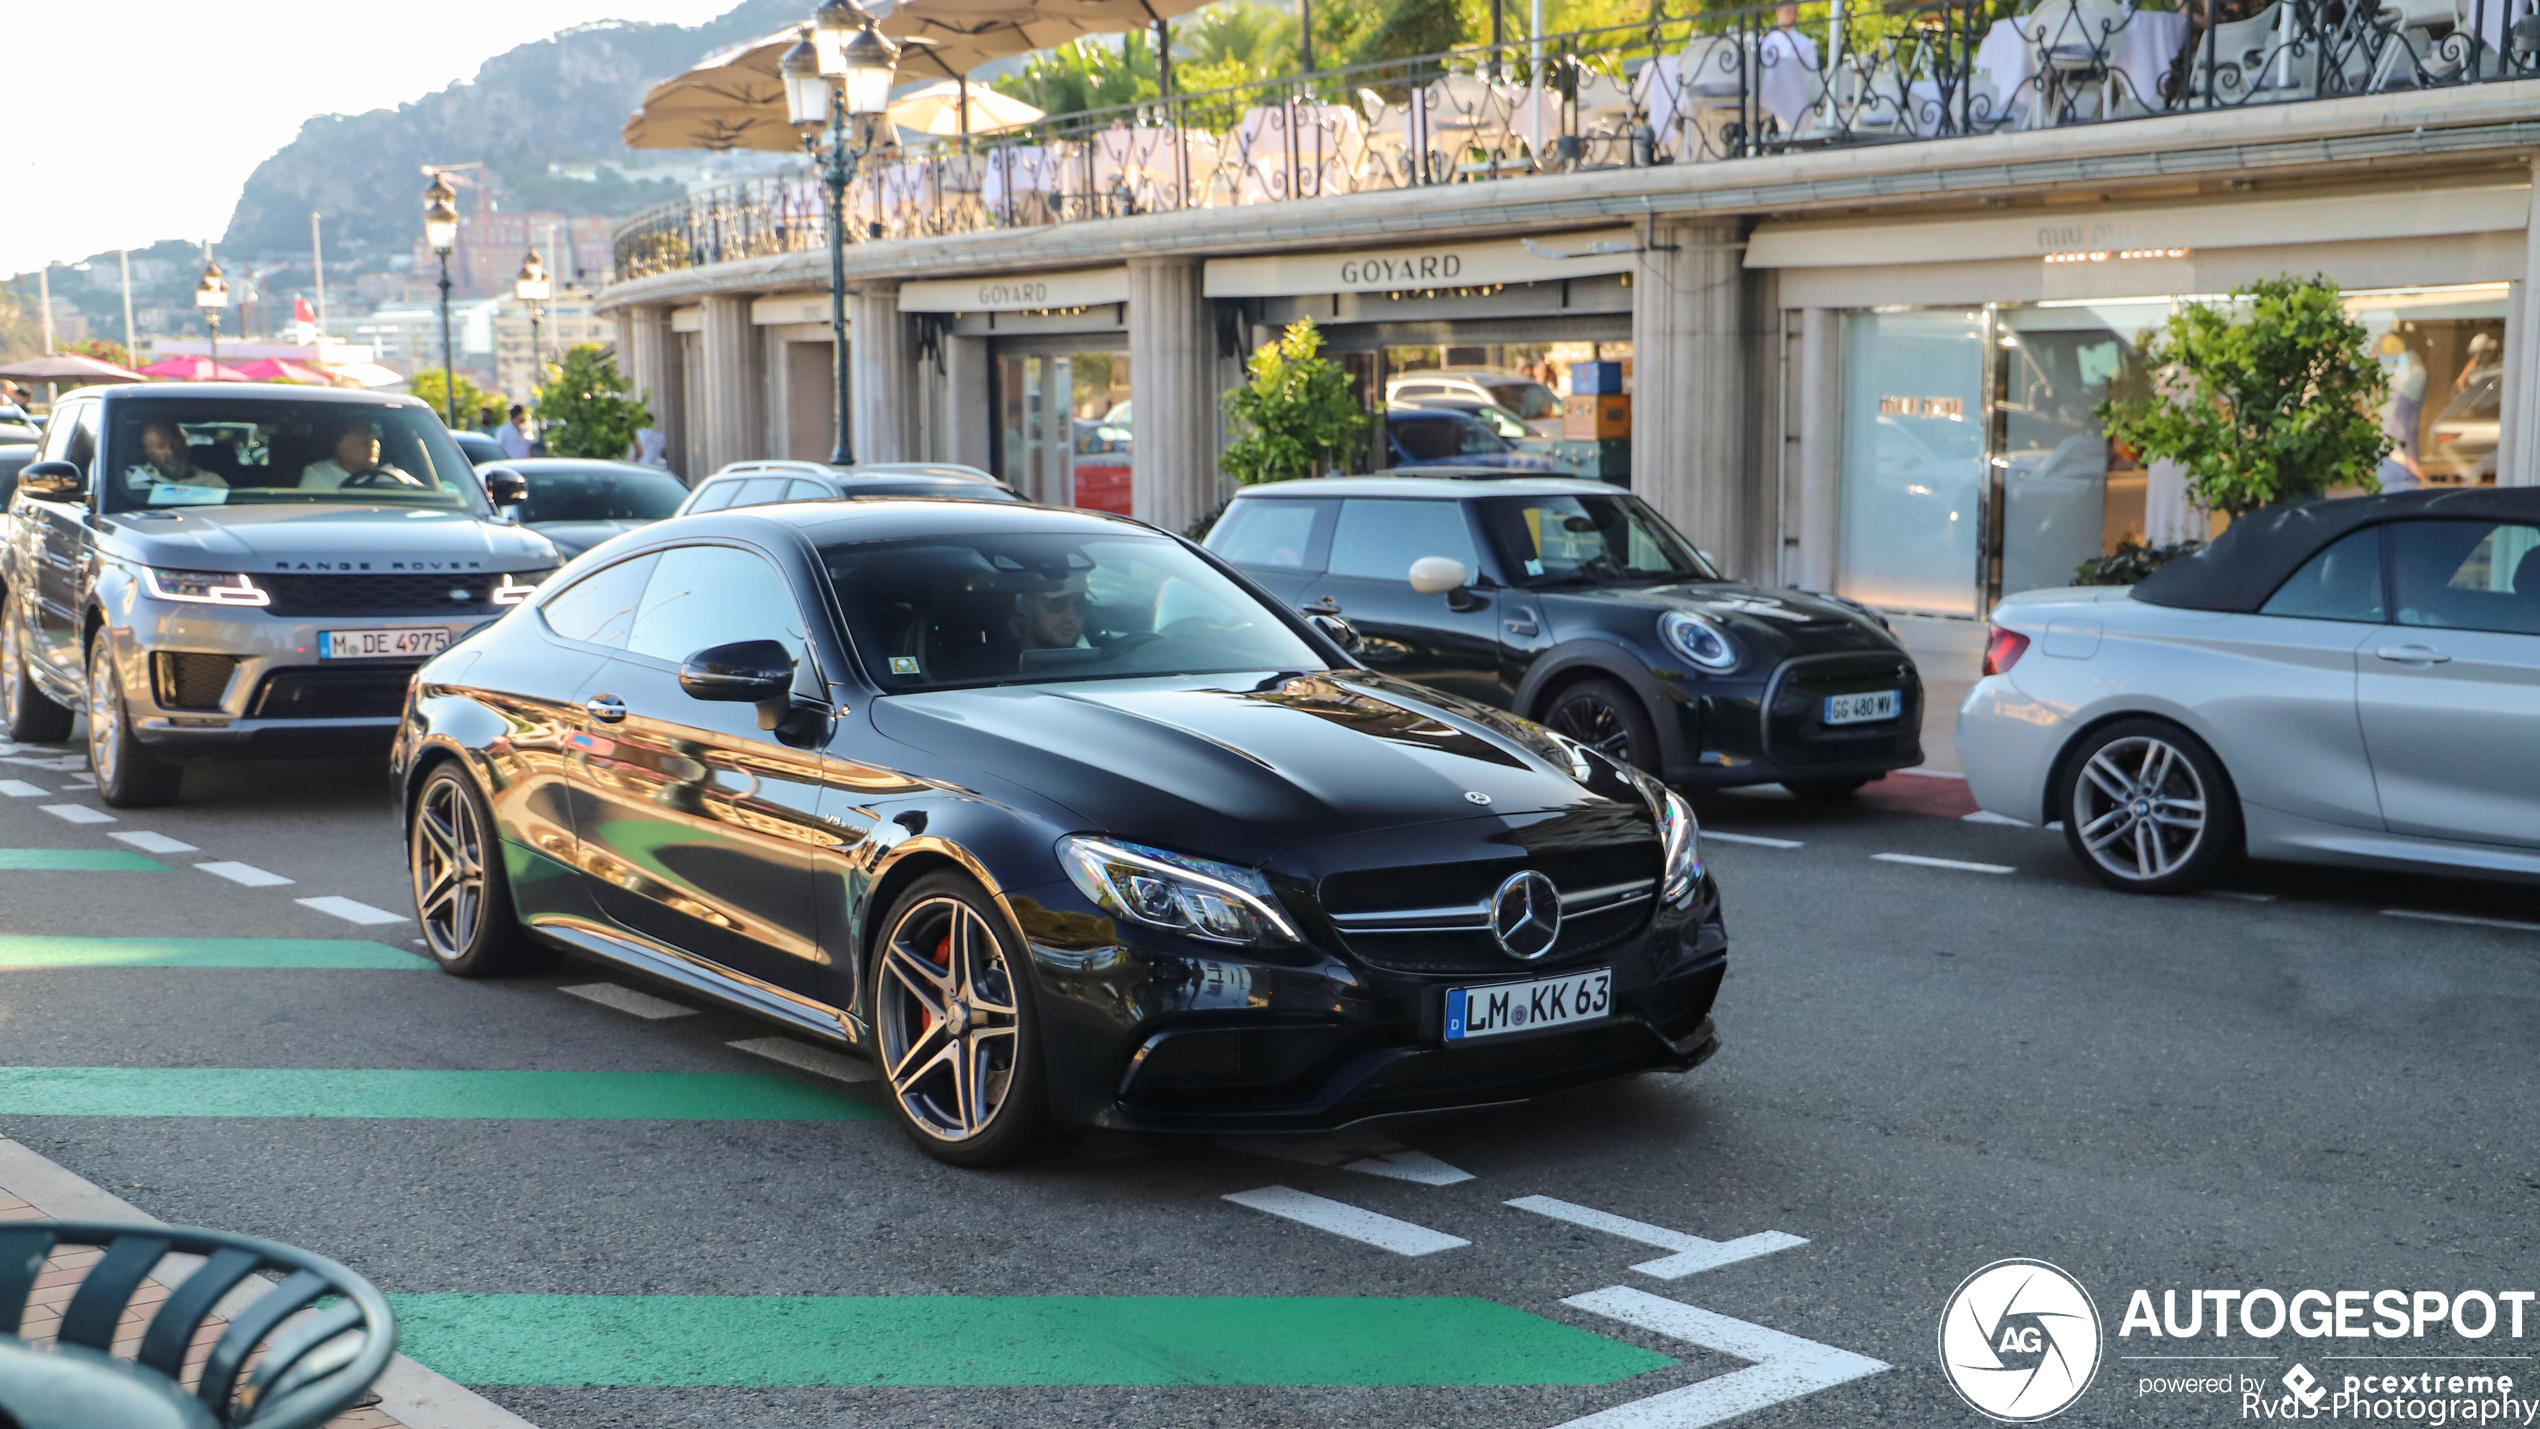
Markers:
point(1693, 1253)
point(1785, 1366)
point(1344, 1219)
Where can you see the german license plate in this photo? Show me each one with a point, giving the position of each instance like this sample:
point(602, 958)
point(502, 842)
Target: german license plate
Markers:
point(382, 644)
point(1861, 709)
point(1526, 1006)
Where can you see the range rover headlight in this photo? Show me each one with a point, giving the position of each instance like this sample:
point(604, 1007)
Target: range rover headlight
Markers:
point(1699, 639)
point(1680, 835)
point(206, 587)
point(1196, 896)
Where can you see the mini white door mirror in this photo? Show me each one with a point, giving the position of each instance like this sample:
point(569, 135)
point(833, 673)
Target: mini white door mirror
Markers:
point(1436, 575)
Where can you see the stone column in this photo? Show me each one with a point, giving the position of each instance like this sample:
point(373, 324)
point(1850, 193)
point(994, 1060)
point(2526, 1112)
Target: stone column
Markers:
point(652, 362)
point(881, 369)
point(969, 417)
point(1820, 448)
point(1692, 446)
point(1172, 414)
point(731, 422)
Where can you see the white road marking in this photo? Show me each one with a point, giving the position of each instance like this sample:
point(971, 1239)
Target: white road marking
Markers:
point(1919, 861)
point(77, 813)
point(1922, 772)
point(2462, 918)
point(63, 765)
point(627, 1000)
point(245, 873)
point(1756, 839)
point(20, 789)
point(1693, 1253)
point(819, 1061)
point(1343, 1219)
point(2237, 895)
point(1417, 1166)
point(85, 780)
point(1987, 816)
point(153, 843)
point(1359, 1149)
point(350, 910)
point(1785, 1366)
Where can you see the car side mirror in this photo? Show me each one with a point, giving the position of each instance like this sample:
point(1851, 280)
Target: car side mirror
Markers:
point(1436, 575)
point(743, 672)
point(54, 481)
point(506, 487)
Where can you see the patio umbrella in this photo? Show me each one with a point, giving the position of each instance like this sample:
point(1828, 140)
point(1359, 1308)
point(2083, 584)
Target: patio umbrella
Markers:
point(193, 369)
point(937, 109)
point(68, 368)
point(366, 374)
point(276, 369)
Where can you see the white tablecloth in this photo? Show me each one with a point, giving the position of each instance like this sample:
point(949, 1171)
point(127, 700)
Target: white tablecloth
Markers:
point(2140, 51)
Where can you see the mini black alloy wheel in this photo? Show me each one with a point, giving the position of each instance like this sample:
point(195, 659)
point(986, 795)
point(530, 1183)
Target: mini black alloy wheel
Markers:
point(2147, 808)
point(1608, 718)
point(953, 1027)
point(462, 898)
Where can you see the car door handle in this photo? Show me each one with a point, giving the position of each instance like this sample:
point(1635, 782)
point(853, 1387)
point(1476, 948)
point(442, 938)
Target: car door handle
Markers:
point(1526, 626)
point(607, 709)
point(2413, 654)
point(1325, 606)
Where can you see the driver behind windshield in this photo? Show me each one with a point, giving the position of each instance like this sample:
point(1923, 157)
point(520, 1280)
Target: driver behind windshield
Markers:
point(168, 461)
point(356, 463)
point(1051, 621)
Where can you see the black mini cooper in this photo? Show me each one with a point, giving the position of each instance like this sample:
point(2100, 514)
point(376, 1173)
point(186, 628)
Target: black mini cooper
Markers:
point(1574, 603)
point(1055, 817)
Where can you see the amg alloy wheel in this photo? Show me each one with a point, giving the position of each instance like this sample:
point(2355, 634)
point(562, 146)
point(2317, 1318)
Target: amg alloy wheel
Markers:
point(2148, 809)
point(1608, 718)
point(461, 895)
point(953, 1027)
point(27, 714)
point(129, 776)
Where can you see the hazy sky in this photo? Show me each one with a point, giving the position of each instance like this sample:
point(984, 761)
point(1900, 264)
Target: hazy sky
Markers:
point(137, 120)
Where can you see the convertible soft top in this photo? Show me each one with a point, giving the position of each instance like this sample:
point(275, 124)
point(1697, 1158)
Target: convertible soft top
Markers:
point(2247, 562)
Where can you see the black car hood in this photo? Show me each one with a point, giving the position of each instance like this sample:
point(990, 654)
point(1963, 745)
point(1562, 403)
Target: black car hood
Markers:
point(1238, 768)
point(324, 537)
point(1787, 621)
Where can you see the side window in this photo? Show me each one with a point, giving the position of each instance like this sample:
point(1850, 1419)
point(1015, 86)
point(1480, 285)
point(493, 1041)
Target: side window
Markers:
point(72, 437)
point(601, 606)
point(759, 491)
point(2466, 575)
point(714, 496)
point(801, 490)
point(713, 595)
point(1429, 438)
point(2342, 582)
point(1378, 539)
point(1273, 531)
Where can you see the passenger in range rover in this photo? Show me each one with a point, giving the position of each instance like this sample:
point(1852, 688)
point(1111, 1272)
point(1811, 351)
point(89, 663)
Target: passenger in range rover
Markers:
point(167, 460)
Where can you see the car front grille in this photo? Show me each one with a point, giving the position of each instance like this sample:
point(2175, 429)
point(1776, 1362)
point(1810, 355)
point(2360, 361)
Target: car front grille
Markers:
point(188, 680)
point(321, 692)
point(1796, 735)
point(396, 594)
point(1434, 918)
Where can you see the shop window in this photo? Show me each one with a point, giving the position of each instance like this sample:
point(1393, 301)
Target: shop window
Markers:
point(1913, 461)
point(1063, 428)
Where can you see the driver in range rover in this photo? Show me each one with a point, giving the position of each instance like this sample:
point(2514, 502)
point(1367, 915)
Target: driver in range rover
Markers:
point(356, 463)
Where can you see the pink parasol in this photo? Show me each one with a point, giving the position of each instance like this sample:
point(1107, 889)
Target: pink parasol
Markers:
point(278, 369)
point(193, 369)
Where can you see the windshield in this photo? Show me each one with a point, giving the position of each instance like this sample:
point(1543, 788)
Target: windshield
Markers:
point(599, 493)
point(1588, 540)
point(938, 612)
point(219, 451)
point(1530, 400)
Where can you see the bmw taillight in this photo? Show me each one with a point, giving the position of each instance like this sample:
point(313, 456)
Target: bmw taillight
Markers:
point(2003, 651)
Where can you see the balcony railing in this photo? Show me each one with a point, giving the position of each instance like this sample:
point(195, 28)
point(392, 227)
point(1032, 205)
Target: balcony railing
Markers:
point(1716, 87)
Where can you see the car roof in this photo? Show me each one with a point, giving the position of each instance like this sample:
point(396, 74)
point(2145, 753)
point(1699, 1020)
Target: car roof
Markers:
point(251, 392)
point(1441, 481)
point(885, 518)
point(792, 466)
point(2246, 563)
point(547, 463)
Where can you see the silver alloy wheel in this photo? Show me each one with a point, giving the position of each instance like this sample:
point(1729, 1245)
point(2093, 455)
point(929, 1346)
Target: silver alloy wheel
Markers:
point(12, 666)
point(448, 854)
point(105, 713)
point(2139, 808)
point(946, 1015)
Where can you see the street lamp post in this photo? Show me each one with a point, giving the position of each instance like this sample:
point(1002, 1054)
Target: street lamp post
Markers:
point(531, 287)
point(211, 295)
point(839, 71)
point(441, 232)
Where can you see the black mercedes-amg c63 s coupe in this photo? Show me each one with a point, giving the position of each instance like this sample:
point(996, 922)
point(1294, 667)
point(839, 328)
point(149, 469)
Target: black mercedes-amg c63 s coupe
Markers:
point(1057, 818)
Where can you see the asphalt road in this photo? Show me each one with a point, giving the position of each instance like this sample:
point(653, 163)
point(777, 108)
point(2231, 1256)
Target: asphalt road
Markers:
point(1925, 1069)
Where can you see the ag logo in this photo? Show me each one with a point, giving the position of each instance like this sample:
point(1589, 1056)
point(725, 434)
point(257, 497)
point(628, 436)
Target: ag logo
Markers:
point(2019, 1341)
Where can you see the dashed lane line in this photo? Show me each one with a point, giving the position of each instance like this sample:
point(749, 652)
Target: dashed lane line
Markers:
point(626, 1000)
point(349, 909)
point(148, 842)
point(1756, 839)
point(77, 813)
point(1784, 1365)
point(1987, 816)
point(2460, 918)
point(20, 789)
point(1348, 1221)
point(2240, 895)
point(1919, 861)
point(819, 1061)
point(246, 873)
point(1693, 1254)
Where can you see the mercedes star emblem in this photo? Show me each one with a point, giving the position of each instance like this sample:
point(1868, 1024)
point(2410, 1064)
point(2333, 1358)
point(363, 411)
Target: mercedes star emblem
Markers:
point(1525, 915)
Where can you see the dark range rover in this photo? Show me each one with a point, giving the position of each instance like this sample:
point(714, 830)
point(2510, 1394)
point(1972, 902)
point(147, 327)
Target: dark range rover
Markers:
point(1575, 604)
point(210, 569)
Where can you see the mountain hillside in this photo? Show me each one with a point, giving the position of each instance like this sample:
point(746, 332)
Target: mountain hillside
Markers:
point(559, 98)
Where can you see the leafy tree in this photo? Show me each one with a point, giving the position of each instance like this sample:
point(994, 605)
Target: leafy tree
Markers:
point(472, 398)
point(1415, 27)
point(1087, 74)
point(2266, 397)
point(103, 349)
point(586, 407)
point(1296, 413)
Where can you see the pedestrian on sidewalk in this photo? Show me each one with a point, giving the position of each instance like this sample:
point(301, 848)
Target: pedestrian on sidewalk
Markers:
point(517, 437)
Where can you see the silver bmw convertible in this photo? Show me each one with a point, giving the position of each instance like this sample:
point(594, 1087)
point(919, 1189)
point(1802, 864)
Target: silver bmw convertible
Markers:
point(2347, 681)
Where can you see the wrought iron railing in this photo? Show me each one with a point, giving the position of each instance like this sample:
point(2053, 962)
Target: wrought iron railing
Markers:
point(1718, 86)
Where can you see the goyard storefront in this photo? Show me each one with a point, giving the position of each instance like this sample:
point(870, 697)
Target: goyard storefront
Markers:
point(1057, 347)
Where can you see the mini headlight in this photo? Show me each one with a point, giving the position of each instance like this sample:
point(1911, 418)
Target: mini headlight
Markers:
point(1680, 835)
point(205, 587)
point(512, 590)
point(1196, 896)
point(1698, 639)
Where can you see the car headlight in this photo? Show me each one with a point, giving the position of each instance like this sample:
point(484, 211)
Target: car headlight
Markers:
point(206, 587)
point(1197, 896)
point(512, 589)
point(1680, 835)
point(1699, 639)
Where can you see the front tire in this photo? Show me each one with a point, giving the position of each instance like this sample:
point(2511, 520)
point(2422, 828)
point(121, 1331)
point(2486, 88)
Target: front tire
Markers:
point(955, 1026)
point(2148, 808)
point(129, 776)
point(1607, 717)
point(463, 899)
point(27, 714)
